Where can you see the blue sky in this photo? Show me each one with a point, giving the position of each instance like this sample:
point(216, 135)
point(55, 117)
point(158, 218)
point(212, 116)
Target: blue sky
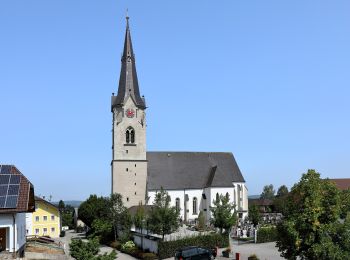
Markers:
point(266, 80)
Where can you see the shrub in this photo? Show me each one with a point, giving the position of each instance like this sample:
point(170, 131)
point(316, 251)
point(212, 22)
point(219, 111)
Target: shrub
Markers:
point(168, 248)
point(267, 234)
point(128, 246)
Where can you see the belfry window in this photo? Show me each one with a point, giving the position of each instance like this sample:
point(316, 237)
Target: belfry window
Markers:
point(130, 135)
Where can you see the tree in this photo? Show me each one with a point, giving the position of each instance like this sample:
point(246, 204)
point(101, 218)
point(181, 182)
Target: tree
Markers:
point(89, 250)
point(254, 215)
point(61, 205)
point(268, 192)
point(163, 218)
point(345, 203)
point(118, 215)
point(223, 213)
point(67, 216)
point(282, 191)
point(140, 217)
point(93, 208)
point(279, 201)
point(311, 228)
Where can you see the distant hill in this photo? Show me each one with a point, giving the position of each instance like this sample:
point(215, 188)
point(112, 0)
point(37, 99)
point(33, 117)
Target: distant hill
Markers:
point(73, 203)
point(254, 197)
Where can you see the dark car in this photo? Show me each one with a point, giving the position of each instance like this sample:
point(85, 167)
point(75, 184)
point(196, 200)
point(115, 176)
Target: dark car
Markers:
point(194, 253)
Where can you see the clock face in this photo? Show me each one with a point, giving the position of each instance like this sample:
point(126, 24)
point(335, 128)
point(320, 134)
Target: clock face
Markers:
point(130, 113)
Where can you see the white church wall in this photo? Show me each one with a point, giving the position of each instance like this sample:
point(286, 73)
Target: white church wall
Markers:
point(181, 195)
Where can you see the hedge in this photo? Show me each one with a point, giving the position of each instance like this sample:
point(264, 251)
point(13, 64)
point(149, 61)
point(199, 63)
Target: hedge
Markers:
point(168, 248)
point(267, 234)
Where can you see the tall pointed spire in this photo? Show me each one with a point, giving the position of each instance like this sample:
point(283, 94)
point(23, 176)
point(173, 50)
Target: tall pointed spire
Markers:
point(128, 83)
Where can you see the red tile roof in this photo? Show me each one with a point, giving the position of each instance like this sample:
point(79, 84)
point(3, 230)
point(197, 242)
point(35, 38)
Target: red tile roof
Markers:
point(342, 184)
point(25, 201)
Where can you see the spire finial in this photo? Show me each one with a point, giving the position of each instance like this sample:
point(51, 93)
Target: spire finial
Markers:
point(127, 17)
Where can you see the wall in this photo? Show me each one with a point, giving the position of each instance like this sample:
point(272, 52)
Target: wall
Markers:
point(191, 193)
point(145, 243)
point(6, 221)
point(126, 156)
point(45, 209)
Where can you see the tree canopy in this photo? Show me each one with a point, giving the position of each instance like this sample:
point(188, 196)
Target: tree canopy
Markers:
point(311, 228)
point(89, 250)
point(282, 191)
point(223, 213)
point(268, 192)
point(254, 214)
point(163, 218)
point(94, 208)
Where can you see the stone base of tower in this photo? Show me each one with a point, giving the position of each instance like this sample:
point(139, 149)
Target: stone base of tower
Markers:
point(129, 179)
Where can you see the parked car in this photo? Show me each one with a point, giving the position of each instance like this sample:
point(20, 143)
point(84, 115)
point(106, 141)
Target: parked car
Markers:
point(194, 253)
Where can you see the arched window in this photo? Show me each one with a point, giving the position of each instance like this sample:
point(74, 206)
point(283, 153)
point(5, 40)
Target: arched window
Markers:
point(194, 206)
point(130, 135)
point(177, 204)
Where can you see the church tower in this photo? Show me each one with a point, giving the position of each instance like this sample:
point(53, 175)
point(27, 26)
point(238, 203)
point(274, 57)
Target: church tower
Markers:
point(129, 162)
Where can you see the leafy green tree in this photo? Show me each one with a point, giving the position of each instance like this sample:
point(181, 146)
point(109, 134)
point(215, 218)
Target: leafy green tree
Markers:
point(93, 208)
point(61, 205)
point(345, 203)
point(118, 215)
point(163, 218)
point(279, 201)
point(223, 213)
point(268, 192)
point(254, 215)
point(282, 191)
point(67, 216)
point(101, 229)
point(88, 250)
point(140, 217)
point(311, 228)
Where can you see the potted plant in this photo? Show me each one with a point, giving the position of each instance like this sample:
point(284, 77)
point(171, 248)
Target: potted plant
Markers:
point(226, 252)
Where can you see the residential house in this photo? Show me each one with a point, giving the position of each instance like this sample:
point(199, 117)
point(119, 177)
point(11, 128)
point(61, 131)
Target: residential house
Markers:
point(45, 221)
point(16, 199)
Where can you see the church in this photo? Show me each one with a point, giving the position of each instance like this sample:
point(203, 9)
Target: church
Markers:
point(192, 179)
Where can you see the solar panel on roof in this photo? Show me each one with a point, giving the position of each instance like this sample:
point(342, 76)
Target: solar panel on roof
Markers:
point(3, 190)
point(5, 169)
point(11, 202)
point(13, 189)
point(2, 201)
point(4, 179)
point(15, 179)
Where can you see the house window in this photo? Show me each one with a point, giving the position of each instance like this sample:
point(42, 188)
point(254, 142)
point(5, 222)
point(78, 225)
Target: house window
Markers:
point(130, 135)
point(37, 218)
point(53, 217)
point(194, 206)
point(45, 218)
point(36, 231)
point(177, 204)
point(52, 230)
point(45, 231)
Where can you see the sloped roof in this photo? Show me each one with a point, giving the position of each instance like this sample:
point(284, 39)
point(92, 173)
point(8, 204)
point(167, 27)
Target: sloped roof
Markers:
point(191, 170)
point(45, 201)
point(25, 201)
point(342, 184)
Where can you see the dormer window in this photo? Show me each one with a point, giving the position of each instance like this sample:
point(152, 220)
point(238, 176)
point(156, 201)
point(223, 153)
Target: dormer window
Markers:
point(130, 135)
